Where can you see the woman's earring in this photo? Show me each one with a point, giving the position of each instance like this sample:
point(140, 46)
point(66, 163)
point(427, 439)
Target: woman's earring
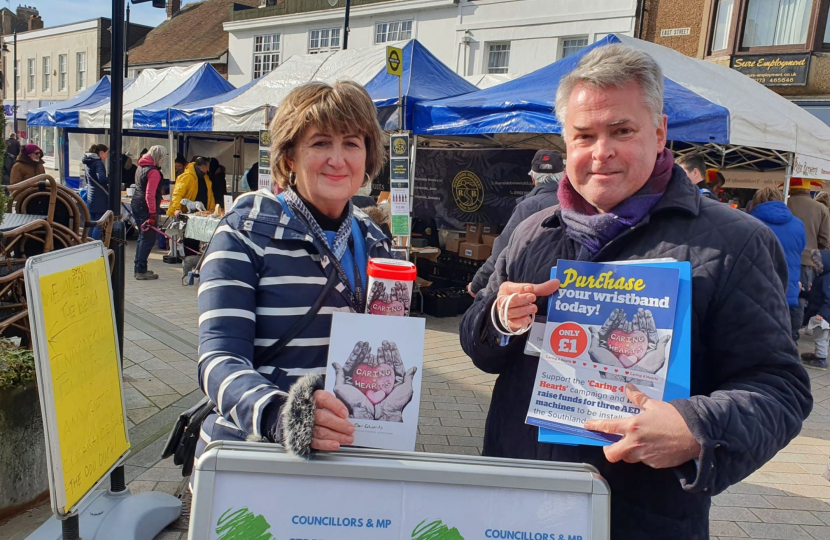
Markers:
point(292, 179)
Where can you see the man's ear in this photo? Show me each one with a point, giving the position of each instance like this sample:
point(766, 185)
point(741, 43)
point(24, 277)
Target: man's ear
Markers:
point(662, 130)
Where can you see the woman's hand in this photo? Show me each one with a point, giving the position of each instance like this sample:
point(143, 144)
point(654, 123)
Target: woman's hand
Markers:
point(331, 427)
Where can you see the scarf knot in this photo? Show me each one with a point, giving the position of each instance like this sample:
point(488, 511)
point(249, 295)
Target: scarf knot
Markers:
point(592, 229)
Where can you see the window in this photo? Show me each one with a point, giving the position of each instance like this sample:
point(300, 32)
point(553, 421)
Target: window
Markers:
point(62, 73)
point(776, 22)
point(573, 45)
point(723, 23)
point(266, 54)
point(81, 60)
point(47, 74)
point(499, 58)
point(17, 78)
point(48, 142)
point(320, 41)
point(30, 65)
point(393, 31)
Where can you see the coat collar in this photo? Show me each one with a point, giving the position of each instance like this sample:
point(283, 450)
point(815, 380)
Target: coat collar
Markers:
point(681, 195)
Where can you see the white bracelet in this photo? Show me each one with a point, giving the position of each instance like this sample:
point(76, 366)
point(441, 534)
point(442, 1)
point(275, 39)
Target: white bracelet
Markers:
point(504, 320)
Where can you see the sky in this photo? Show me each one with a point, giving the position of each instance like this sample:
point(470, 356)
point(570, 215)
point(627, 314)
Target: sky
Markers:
point(58, 12)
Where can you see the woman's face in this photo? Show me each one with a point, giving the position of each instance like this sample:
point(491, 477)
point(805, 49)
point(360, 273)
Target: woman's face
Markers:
point(330, 168)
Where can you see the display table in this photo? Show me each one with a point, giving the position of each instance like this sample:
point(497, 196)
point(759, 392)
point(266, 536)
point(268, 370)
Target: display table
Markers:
point(201, 228)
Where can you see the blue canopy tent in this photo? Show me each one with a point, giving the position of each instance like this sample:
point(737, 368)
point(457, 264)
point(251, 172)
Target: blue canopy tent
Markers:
point(204, 84)
point(526, 105)
point(246, 109)
point(94, 95)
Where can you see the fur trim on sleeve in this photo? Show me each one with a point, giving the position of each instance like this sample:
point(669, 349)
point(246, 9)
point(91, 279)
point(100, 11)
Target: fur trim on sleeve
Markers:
point(298, 415)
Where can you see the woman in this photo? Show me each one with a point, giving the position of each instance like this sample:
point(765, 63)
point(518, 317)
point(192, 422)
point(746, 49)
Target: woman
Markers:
point(95, 174)
point(768, 206)
point(145, 205)
point(28, 164)
point(824, 198)
point(128, 177)
point(216, 172)
point(272, 258)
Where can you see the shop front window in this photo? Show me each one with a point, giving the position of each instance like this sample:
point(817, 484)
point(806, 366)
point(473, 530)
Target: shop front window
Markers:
point(776, 23)
point(48, 145)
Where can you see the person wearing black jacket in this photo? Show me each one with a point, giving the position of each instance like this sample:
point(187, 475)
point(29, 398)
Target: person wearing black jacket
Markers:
point(546, 171)
point(623, 198)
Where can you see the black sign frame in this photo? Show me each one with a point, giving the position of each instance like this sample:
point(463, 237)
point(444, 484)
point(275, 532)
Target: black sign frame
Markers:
point(774, 69)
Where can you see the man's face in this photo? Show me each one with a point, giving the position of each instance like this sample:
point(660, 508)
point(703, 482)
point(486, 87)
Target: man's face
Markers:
point(202, 169)
point(693, 174)
point(612, 143)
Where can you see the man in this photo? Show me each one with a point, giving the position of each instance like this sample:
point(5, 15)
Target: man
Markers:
point(816, 226)
point(546, 170)
point(622, 198)
point(13, 145)
point(695, 168)
point(180, 164)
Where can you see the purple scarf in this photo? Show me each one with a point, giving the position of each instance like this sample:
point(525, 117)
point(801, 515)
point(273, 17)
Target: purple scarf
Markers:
point(593, 230)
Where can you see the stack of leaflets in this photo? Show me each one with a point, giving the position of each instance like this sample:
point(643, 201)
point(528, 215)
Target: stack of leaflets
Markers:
point(610, 324)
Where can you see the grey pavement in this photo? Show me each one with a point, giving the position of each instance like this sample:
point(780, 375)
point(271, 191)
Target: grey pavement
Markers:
point(785, 499)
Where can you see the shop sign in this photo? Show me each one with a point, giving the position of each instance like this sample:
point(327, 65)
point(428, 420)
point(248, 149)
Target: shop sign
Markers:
point(774, 69)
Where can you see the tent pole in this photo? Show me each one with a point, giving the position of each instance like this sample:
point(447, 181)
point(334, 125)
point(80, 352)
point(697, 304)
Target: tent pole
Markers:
point(171, 155)
point(412, 187)
point(787, 177)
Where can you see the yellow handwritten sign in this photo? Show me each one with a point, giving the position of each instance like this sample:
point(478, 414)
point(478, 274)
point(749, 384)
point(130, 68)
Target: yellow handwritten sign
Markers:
point(85, 375)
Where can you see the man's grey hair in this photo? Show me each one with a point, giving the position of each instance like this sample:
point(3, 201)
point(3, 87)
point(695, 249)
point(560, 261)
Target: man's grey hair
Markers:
point(614, 66)
point(544, 178)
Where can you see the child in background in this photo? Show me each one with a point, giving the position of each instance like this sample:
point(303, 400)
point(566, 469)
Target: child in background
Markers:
point(818, 310)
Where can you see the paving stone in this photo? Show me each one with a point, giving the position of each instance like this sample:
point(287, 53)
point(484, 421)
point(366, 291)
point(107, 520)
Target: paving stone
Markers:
point(816, 492)
point(188, 367)
point(170, 376)
point(154, 364)
point(478, 415)
point(428, 421)
point(751, 489)
point(139, 415)
point(170, 356)
point(444, 430)
point(139, 486)
point(154, 387)
point(148, 456)
point(159, 474)
point(446, 449)
point(150, 344)
point(166, 400)
point(432, 439)
point(184, 387)
point(795, 517)
point(463, 422)
point(730, 513)
point(135, 373)
point(135, 353)
point(797, 503)
point(726, 527)
point(134, 399)
point(170, 535)
point(170, 487)
point(819, 532)
point(131, 472)
point(824, 516)
point(439, 414)
point(464, 441)
point(743, 501)
point(774, 531)
point(458, 407)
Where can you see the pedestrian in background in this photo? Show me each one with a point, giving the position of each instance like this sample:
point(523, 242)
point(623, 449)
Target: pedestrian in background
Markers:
point(95, 175)
point(816, 220)
point(824, 198)
point(818, 310)
point(13, 145)
point(768, 206)
point(145, 206)
point(216, 172)
point(29, 163)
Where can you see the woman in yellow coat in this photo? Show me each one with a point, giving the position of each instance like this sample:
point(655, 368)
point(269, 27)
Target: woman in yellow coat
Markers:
point(193, 184)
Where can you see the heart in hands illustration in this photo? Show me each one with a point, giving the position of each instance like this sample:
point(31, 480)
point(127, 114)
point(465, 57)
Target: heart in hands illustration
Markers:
point(630, 347)
point(376, 382)
point(374, 386)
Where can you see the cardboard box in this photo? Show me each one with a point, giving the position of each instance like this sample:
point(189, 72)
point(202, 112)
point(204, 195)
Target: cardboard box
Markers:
point(454, 243)
point(475, 251)
point(489, 239)
point(489, 228)
point(474, 232)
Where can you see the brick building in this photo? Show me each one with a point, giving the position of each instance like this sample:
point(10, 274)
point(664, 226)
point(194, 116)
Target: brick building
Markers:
point(783, 44)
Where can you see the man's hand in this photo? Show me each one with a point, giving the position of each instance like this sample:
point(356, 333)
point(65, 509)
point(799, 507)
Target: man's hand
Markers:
point(818, 317)
point(331, 429)
point(522, 308)
point(470, 290)
point(657, 437)
point(177, 213)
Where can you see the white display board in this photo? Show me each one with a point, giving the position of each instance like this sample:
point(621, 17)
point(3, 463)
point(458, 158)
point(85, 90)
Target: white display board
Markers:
point(256, 490)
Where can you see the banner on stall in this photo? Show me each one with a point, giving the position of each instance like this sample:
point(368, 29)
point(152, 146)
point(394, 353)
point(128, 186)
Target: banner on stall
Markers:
point(78, 370)
point(264, 159)
point(459, 186)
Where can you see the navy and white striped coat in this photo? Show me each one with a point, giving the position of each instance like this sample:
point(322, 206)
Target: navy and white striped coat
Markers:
point(261, 274)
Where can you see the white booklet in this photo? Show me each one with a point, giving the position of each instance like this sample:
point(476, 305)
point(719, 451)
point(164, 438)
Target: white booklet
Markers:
point(375, 367)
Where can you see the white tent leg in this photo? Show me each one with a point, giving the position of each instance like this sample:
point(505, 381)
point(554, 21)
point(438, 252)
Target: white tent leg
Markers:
point(171, 156)
point(787, 177)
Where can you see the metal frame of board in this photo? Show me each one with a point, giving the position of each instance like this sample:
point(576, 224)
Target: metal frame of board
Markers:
point(415, 467)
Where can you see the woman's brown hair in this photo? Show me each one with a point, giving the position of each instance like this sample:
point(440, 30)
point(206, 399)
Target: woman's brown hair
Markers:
point(344, 107)
point(766, 194)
